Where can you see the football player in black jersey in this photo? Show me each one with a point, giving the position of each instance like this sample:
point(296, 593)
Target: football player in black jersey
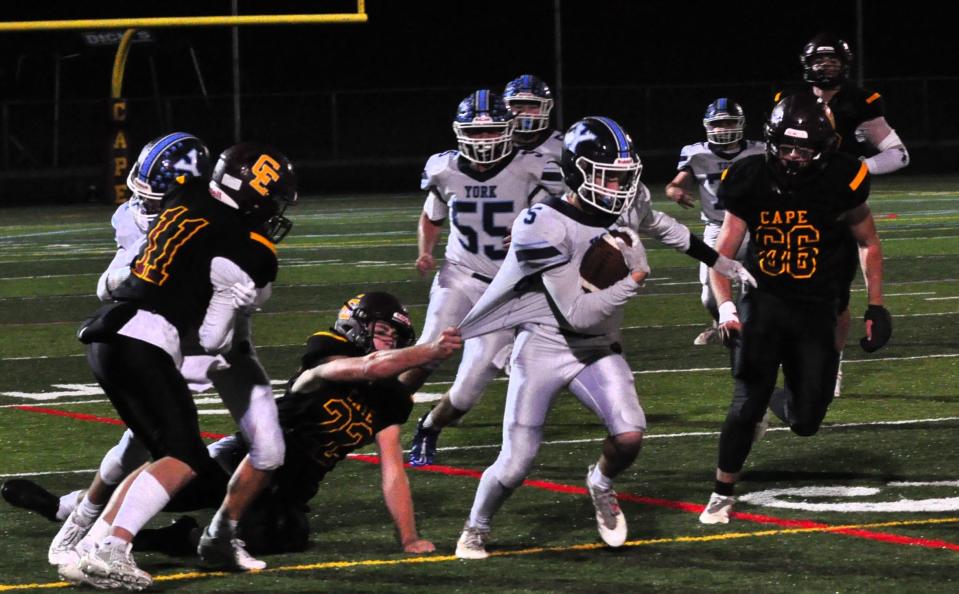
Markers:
point(183, 288)
point(354, 386)
point(797, 202)
point(863, 132)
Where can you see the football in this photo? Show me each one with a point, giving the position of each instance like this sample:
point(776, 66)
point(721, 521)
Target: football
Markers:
point(603, 264)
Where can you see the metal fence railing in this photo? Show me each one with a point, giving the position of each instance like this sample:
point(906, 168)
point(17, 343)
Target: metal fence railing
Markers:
point(379, 130)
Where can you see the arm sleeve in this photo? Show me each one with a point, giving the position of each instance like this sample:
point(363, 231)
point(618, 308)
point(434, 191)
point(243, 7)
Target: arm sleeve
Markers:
point(216, 332)
point(658, 225)
point(892, 154)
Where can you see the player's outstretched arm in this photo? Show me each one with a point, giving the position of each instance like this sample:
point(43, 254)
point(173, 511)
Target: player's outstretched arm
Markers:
point(396, 491)
point(380, 364)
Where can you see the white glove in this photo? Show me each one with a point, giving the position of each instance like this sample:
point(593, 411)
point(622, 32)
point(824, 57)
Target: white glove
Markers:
point(733, 270)
point(244, 295)
point(633, 253)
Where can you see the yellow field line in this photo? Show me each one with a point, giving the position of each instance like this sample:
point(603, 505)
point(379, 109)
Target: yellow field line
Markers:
point(189, 21)
point(531, 551)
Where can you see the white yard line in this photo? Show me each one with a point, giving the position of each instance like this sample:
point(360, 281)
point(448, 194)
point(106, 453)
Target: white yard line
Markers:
point(591, 440)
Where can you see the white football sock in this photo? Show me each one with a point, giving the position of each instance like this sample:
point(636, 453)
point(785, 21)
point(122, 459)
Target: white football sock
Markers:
point(221, 526)
point(67, 504)
point(600, 480)
point(145, 499)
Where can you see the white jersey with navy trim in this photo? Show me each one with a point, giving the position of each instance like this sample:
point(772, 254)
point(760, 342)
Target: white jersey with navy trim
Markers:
point(482, 205)
point(707, 167)
point(129, 238)
point(641, 217)
point(539, 282)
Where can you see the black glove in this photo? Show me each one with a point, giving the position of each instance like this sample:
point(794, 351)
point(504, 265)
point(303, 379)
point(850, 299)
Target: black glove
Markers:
point(881, 328)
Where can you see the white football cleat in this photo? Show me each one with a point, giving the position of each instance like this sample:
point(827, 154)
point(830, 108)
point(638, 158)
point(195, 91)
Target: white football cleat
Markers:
point(610, 520)
point(112, 566)
point(472, 543)
point(717, 510)
point(62, 547)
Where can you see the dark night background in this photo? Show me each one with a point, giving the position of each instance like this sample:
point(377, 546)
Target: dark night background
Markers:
point(360, 107)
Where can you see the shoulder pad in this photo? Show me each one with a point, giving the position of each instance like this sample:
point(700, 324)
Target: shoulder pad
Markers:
point(435, 167)
point(327, 343)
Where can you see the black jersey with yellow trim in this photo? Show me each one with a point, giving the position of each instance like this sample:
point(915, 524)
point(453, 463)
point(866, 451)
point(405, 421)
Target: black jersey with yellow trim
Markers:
point(851, 106)
point(171, 274)
point(797, 232)
point(323, 426)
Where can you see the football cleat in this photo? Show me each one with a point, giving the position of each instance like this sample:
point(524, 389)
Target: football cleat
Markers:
point(610, 520)
point(226, 553)
point(423, 448)
point(472, 543)
point(708, 336)
point(31, 496)
point(62, 548)
point(112, 566)
point(718, 509)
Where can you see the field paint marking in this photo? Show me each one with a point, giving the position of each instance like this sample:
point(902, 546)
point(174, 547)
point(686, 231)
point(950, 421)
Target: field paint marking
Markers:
point(709, 433)
point(570, 489)
point(940, 298)
point(594, 546)
point(48, 473)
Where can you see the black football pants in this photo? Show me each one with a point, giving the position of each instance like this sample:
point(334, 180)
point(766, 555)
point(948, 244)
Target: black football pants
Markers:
point(798, 336)
point(152, 398)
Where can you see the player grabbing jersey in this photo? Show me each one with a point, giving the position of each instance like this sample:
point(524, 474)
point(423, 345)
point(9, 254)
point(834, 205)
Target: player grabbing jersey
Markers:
point(480, 188)
point(700, 166)
point(362, 369)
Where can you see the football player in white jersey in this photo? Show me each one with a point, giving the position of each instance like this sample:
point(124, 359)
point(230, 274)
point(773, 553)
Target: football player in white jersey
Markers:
point(700, 166)
point(567, 330)
point(531, 101)
point(481, 188)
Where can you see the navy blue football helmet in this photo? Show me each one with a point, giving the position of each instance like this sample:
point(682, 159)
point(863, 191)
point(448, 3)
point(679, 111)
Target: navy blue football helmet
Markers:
point(164, 163)
point(733, 122)
point(484, 128)
point(825, 46)
point(259, 181)
point(800, 137)
point(529, 90)
point(358, 315)
point(600, 164)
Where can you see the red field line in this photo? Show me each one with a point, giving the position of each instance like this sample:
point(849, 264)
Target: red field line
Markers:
point(575, 490)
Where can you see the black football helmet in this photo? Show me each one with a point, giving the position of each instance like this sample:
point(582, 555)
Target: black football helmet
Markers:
point(820, 46)
point(357, 316)
point(800, 137)
point(163, 163)
point(259, 181)
point(596, 150)
point(484, 111)
point(724, 110)
point(528, 88)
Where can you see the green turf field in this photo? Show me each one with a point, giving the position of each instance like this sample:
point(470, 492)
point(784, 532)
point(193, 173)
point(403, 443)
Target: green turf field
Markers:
point(888, 450)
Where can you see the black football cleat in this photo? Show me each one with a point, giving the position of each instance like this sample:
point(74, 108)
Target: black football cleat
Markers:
point(31, 496)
